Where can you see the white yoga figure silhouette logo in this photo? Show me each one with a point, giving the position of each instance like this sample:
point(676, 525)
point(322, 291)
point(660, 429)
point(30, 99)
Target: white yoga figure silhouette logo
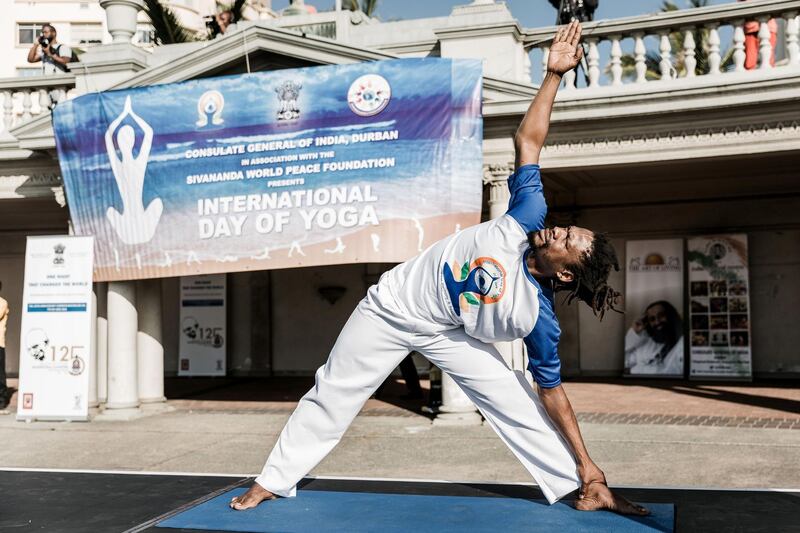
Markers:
point(135, 225)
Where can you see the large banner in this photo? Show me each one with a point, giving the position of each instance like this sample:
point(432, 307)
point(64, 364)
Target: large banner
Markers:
point(56, 329)
point(202, 346)
point(369, 162)
point(654, 342)
point(720, 307)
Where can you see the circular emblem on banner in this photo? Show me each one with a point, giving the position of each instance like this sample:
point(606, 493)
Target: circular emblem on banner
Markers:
point(369, 95)
point(76, 366)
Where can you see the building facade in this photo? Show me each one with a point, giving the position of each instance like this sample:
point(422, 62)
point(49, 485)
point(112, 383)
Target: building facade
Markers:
point(637, 151)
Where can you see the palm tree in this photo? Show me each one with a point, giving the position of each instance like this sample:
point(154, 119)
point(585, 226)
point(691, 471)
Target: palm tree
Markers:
point(166, 27)
point(367, 6)
point(653, 59)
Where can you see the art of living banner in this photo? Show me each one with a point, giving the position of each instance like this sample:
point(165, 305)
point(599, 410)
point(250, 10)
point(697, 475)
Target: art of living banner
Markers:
point(55, 340)
point(369, 162)
point(654, 342)
point(720, 307)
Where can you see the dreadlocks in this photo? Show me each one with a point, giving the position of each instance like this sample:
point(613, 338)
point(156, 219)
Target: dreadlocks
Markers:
point(589, 283)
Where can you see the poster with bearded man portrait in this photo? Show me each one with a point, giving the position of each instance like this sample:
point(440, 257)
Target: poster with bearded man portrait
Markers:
point(654, 341)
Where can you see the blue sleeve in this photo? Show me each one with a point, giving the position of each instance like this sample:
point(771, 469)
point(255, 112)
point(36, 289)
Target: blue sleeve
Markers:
point(542, 344)
point(527, 204)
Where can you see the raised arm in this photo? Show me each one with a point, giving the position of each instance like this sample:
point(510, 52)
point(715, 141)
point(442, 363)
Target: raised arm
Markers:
point(565, 54)
point(33, 56)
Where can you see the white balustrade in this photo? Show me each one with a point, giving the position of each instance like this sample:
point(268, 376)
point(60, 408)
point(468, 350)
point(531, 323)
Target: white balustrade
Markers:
point(641, 57)
point(686, 44)
point(616, 61)
point(25, 98)
point(714, 58)
point(689, 59)
point(738, 46)
point(593, 60)
point(792, 30)
point(666, 57)
point(764, 44)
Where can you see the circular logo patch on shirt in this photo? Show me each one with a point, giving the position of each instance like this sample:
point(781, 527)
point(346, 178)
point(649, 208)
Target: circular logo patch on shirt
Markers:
point(369, 95)
point(489, 278)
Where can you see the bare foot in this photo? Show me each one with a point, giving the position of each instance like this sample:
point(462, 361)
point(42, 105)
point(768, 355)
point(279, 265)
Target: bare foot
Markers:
point(596, 496)
point(251, 498)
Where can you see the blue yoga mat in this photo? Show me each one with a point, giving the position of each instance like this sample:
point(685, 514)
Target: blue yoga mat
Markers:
point(351, 512)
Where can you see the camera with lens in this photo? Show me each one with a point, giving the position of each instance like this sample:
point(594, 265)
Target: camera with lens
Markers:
point(44, 41)
point(580, 10)
point(212, 25)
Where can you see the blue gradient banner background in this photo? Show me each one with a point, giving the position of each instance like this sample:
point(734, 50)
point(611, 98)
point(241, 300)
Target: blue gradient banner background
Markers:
point(246, 172)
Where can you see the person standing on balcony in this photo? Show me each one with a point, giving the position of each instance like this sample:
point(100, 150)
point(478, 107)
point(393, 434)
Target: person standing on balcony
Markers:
point(492, 282)
point(752, 42)
point(53, 55)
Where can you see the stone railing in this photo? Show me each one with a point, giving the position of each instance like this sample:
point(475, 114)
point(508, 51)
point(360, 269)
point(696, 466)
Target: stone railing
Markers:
point(689, 43)
point(24, 98)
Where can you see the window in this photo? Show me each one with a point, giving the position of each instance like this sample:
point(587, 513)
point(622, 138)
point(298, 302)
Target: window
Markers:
point(24, 72)
point(86, 33)
point(28, 33)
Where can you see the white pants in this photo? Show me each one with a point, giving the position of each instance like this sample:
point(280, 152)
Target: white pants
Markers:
point(371, 345)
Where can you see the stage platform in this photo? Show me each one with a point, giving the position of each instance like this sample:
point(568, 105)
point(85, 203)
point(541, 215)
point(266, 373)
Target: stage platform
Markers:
point(68, 501)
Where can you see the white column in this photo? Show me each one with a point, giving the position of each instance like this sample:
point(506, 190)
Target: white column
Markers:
point(616, 61)
point(101, 289)
point(764, 46)
point(121, 18)
point(93, 402)
point(738, 46)
point(689, 60)
point(456, 408)
point(593, 61)
point(496, 177)
point(149, 347)
point(640, 51)
point(714, 58)
point(123, 393)
point(792, 30)
point(665, 65)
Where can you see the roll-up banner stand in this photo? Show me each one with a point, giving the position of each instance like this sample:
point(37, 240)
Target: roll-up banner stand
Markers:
point(719, 294)
point(654, 341)
point(56, 335)
point(203, 335)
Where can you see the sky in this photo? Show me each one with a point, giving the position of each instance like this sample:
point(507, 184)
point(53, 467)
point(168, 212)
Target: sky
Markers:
point(530, 13)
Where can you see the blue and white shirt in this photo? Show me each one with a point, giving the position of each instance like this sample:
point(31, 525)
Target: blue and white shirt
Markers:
point(478, 279)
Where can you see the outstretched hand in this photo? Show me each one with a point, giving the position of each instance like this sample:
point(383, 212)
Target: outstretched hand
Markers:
point(566, 51)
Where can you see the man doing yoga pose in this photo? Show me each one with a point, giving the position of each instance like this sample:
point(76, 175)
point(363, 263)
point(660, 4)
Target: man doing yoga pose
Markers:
point(492, 282)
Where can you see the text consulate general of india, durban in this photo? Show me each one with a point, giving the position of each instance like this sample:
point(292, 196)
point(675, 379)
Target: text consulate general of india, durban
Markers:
point(370, 162)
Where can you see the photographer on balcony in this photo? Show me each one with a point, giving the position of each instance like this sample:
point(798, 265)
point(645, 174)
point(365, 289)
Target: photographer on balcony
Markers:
point(53, 55)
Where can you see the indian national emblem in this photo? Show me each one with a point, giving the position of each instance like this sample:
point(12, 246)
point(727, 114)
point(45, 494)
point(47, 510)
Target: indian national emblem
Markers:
point(58, 258)
point(288, 92)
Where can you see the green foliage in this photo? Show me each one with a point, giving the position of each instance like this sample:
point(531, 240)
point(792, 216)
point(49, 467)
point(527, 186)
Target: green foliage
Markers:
point(165, 23)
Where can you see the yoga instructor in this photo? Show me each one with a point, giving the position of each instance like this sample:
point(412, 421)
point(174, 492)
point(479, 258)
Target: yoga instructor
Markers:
point(492, 282)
